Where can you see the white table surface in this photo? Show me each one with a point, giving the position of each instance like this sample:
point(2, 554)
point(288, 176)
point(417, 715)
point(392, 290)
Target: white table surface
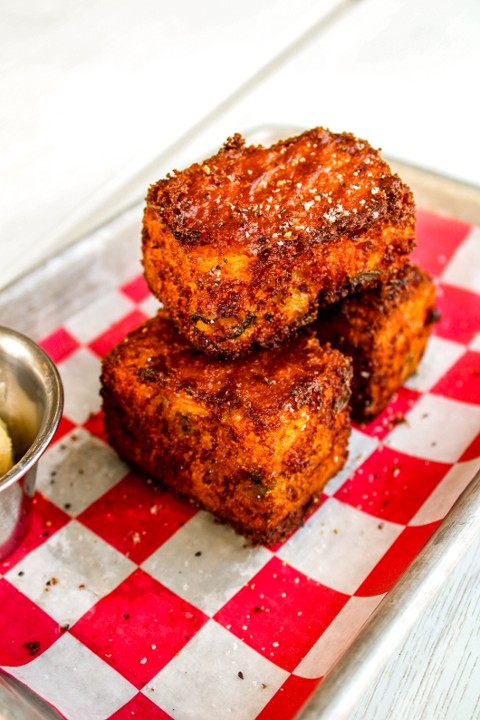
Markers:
point(98, 99)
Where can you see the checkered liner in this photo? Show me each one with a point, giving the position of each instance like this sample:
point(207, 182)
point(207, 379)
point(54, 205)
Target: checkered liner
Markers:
point(125, 602)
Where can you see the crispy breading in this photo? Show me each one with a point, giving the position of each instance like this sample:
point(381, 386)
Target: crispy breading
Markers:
point(243, 248)
point(385, 332)
point(252, 440)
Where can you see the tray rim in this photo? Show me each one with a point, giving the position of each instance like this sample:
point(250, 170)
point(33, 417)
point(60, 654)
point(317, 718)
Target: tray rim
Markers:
point(388, 625)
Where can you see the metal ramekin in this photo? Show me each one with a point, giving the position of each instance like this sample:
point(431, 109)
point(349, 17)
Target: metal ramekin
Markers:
point(31, 404)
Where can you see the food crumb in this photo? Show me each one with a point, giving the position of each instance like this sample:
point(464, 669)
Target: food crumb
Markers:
point(33, 647)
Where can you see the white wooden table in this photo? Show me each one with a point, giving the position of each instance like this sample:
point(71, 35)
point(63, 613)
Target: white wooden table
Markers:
point(99, 99)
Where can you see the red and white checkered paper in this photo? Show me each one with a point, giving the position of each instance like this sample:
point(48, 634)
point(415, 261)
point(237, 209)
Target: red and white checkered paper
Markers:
point(124, 602)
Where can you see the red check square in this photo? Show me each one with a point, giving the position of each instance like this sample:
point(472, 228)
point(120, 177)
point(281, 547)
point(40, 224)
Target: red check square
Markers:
point(29, 631)
point(115, 334)
point(136, 516)
point(64, 428)
point(95, 425)
point(403, 401)
point(473, 450)
point(289, 699)
point(396, 560)
point(141, 708)
point(392, 485)
point(136, 289)
point(46, 518)
point(459, 314)
point(462, 380)
point(259, 613)
point(60, 344)
point(444, 234)
point(139, 627)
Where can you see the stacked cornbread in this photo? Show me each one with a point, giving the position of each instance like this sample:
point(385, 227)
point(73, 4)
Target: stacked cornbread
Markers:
point(227, 395)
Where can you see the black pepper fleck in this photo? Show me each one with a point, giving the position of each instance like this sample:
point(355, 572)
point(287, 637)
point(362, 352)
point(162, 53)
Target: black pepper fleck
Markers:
point(33, 646)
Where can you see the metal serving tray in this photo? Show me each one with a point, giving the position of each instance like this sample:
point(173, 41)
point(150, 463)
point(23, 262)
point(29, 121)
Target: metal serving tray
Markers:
point(39, 302)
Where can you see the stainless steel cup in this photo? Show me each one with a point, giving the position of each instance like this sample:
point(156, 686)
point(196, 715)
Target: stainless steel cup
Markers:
point(31, 403)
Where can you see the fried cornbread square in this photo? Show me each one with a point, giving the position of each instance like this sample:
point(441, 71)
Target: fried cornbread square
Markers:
point(252, 440)
point(243, 248)
point(385, 332)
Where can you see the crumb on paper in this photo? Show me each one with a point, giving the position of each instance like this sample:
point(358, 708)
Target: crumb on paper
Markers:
point(33, 647)
point(49, 583)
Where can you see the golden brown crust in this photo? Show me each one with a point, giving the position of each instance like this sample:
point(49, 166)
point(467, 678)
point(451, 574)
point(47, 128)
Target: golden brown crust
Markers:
point(385, 332)
point(244, 247)
point(252, 440)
